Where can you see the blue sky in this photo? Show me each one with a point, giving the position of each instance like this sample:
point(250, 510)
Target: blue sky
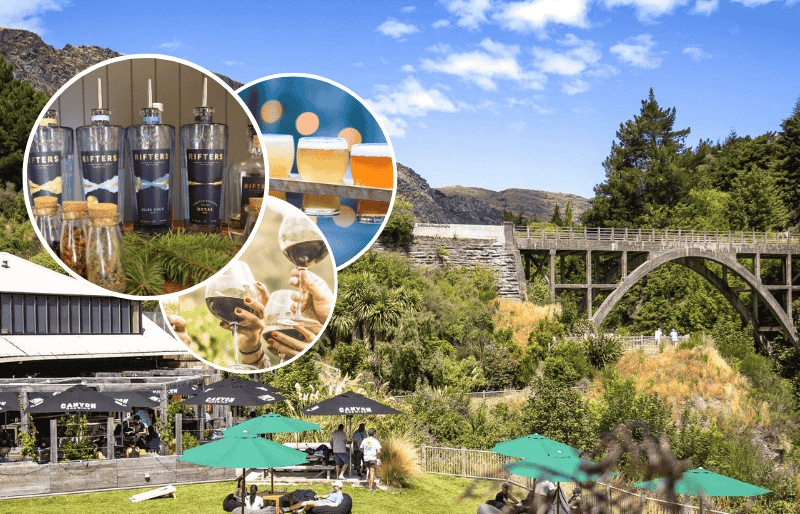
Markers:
point(482, 93)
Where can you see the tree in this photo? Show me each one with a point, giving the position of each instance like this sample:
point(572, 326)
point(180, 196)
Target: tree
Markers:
point(788, 162)
point(20, 105)
point(401, 222)
point(755, 202)
point(567, 215)
point(646, 170)
point(556, 219)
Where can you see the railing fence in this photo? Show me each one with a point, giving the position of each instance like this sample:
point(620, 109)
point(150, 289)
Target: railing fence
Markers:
point(488, 465)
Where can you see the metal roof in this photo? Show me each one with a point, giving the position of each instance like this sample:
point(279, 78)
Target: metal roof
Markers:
point(20, 276)
point(152, 342)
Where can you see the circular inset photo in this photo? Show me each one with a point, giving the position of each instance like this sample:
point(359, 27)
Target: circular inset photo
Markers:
point(328, 156)
point(139, 174)
point(268, 307)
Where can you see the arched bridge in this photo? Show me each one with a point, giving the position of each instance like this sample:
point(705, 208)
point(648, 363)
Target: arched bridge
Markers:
point(616, 259)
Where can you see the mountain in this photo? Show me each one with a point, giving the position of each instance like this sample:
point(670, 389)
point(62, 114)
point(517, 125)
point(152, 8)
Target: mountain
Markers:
point(47, 68)
point(476, 206)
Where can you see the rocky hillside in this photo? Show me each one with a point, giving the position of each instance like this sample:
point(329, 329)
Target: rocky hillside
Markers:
point(475, 206)
point(47, 68)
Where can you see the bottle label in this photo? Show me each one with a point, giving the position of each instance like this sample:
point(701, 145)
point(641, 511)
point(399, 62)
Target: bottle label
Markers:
point(204, 173)
point(101, 175)
point(252, 187)
point(151, 185)
point(44, 174)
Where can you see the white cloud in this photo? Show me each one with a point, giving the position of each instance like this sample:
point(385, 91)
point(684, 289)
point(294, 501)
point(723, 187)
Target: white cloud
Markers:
point(518, 126)
point(232, 63)
point(603, 71)
point(527, 102)
point(647, 10)
point(470, 13)
point(441, 48)
point(535, 15)
point(755, 3)
point(440, 23)
point(408, 99)
point(574, 61)
point(396, 29)
point(575, 86)
point(696, 54)
point(485, 68)
point(407, 68)
point(705, 7)
point(637, 51)
point(408, 9)
point(171, 45)
point(24, 14)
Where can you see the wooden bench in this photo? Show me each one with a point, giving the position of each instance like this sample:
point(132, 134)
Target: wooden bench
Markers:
point(316, 464)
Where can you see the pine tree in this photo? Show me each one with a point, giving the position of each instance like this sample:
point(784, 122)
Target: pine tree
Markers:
point(568, 214)
point(556, 219)
point(20, 105)
point(788, 162)
point(645, 171)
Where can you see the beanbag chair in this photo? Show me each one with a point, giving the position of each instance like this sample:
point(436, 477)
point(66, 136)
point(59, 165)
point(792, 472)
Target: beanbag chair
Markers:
point(345, 507)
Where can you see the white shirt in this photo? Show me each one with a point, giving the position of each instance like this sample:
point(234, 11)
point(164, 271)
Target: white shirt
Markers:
point(545, 487)
point(338, 439)
point(258, 502)
point(370, 446)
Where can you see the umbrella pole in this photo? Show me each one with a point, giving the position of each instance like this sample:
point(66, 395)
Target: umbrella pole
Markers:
point(558, 498)
point(244, 472)
point(271, 481)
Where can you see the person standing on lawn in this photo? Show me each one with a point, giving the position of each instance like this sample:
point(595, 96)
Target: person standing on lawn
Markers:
point(339, 446)
point(371, 446)
point(358, 456)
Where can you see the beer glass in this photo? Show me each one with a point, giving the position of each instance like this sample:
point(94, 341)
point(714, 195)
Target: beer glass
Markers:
point(322, 159)
point(371, 165)
point(280, 156)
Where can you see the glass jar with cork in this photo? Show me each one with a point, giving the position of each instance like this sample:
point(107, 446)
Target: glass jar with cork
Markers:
point(73, 236)
point(47, 221)
point(104, 248)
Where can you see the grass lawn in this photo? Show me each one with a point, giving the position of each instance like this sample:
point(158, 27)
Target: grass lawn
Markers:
point(427, 493)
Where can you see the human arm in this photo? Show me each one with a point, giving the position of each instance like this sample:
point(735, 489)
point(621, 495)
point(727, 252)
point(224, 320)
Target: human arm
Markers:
point(250, 328)
point(284, 346)
point(316, 299)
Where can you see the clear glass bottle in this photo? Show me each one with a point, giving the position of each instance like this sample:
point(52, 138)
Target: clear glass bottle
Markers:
point(252, 210)
point(246, 180)
point(151, 154)
point(50, 165)
point(47, 221)
point(73, 236)
point(101, 157)
point(104, 248)
point(204, 148)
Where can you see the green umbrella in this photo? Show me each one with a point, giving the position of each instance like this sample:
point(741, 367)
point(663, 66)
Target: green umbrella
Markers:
point(556, 467)
point(712, 484)
point(532, 447)
point(270, 424)
point(246, 451)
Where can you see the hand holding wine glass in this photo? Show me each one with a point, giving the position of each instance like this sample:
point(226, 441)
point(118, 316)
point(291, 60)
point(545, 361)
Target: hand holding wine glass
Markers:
point(301, 243)
point(315, 299)
point(229, 296)
point(250, 327)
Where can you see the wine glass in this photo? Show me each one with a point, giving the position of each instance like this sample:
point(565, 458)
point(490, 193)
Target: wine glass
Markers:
point(301, 243)
point(281, 307)
point(226, 293)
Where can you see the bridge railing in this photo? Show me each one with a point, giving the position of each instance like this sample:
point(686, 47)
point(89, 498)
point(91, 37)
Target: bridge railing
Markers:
point(671, 236)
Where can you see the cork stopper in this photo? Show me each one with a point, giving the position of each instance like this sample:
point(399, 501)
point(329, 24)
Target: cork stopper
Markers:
point(255, 203)
point(73, 206)
point(91, 200)
point(102, 210)
point(45, 202)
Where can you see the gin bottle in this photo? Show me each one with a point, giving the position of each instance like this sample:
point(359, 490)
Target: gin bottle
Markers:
point(151, 154)
point(50, 171)
point(246, 180)
point(101, 157)
point(204, 146)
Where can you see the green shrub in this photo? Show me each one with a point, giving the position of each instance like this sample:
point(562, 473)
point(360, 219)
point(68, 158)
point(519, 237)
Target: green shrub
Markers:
point(188, 440)
point(602, 350)
point(350, 357)
point(557, 412)
point(401, 222)
point(566, 363)
point(399, 461)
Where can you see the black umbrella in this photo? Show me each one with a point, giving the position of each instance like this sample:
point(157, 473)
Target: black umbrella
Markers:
point(134, 398)
point(9, 401)
point(348, 404)
point(180, 390)
point(76, 398)
point(248, 393)
point(239, 381)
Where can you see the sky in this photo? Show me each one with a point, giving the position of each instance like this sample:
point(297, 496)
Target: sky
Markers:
point(482, 93)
